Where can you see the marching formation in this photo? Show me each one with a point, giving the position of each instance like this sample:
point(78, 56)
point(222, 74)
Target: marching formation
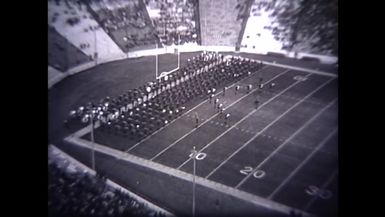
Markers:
point(139, 112)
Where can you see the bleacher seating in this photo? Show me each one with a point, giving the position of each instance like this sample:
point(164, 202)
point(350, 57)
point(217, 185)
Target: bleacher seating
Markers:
point(62, 55)
point(174, 19)
point(72, 20)
point(258, 37)
point(221, 21)
point(80, 194)
point(127, 22)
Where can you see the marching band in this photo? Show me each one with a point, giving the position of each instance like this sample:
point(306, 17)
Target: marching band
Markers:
point(141, 111)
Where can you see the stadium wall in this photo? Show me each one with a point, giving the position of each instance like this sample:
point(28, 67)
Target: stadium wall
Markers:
point(54, 76)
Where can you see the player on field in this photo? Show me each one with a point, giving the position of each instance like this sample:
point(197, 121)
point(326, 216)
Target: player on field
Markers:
point(196, 120)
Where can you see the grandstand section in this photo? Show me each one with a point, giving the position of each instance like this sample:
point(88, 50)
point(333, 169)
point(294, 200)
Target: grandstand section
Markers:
point(74, 21)
point(176, 22)
point(62, 54)
point(221, 21)
point(126, 22)
point(90, 194)
point(257, 38)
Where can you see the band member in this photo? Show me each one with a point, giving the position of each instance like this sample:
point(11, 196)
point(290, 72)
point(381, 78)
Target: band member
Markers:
point(227, 116)
point(249, 87)
point(211, 97)
point(221, 112)
point(237, 89)
point(220, 107)
point(72, 114)
point(196, 120)
point(216, 101)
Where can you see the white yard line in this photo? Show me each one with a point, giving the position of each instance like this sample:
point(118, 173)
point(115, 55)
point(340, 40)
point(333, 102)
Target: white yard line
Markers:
point(314, 198)
point(247, 197)
point(186, 113)
point(172, 144)
point(304, 162)
point(265, 128)
point(290, 138)
point(236, 124)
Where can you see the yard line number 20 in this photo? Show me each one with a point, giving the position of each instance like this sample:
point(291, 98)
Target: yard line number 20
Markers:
point(257, 174)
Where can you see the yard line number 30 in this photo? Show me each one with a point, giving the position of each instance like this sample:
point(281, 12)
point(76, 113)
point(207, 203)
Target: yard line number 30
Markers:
point(318, 192)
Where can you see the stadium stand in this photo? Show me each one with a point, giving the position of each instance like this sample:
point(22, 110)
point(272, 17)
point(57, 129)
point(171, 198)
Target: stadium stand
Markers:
point(257, 37)
point(75, 192)
point(174, 18)
point(221, 21)
point(126, 22)
point(62, 55)
point(72, 19)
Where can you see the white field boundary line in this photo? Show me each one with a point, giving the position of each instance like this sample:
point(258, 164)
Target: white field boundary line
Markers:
point(319, 146)
point(203, 123)
point(301, 69)
point(184, 114)
point(111, 183)
point(322, 187)
point(288, 139)
point(242, 195)
point(248, 115)
point(85, 130)
point(266, 127)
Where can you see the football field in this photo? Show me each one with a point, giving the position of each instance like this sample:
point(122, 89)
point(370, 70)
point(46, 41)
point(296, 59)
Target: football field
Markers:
point(284, 148)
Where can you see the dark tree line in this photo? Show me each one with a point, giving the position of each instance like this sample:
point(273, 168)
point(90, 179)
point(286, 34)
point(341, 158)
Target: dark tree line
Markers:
point(305, 23)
